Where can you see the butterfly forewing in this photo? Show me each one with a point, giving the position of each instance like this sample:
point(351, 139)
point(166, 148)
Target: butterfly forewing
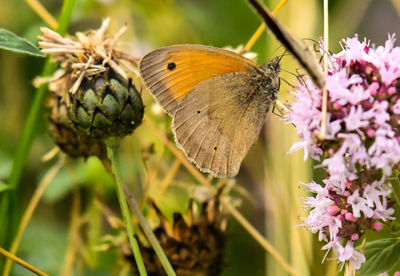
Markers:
point(218, 121)
point(171, 72)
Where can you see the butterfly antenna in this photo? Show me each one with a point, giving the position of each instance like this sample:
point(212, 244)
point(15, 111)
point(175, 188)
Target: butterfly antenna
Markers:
point(276, 50)
point(286, 71)
point(280, 58)
point(277, 60)
point(288, 83)
point(302, 81)
point(298, 76)
point(317, 46)
point(310, 39)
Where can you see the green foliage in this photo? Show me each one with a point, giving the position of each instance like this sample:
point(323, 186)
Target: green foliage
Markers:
point(89, 173)
point(36, 248)
point(11, 42)
point(3, 187)
point(382, 255)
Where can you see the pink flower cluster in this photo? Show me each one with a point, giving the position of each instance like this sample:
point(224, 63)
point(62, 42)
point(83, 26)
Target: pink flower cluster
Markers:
point(362, 144)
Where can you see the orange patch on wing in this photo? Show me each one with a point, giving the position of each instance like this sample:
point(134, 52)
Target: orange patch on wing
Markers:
point(171, 72)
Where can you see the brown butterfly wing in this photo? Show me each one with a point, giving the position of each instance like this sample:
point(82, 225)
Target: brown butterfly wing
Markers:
point(218, 121)
point(171, 72)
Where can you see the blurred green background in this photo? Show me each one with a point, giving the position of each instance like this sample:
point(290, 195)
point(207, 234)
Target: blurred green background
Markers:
point(268, 183)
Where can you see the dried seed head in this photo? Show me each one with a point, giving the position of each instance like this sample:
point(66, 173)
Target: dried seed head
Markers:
point(101, 100)
point(194, 246)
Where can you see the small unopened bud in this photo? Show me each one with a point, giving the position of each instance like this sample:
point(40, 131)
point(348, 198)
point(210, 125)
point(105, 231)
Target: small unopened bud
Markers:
point(332, 210)
point(337, 105)
point(391, 91)
point(370, 132)
point(376, 226)
point(350, 217)
point(346, 193)
point(373, 88)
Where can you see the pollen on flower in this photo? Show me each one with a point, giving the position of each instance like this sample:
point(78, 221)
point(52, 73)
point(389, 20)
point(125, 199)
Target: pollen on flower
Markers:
point(361, 149)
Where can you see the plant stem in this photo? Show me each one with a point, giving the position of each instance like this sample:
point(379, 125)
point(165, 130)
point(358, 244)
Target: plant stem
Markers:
point(261, 29)
point(232, 210)
point(43, 13)
point(65, 16)
point(30, 209)
point(325, 60)
point(149, 233)
point(35, 111)
point(112, 151)
point(73, 234)
point(21, 262)
point(28, 135)
point(258, 237)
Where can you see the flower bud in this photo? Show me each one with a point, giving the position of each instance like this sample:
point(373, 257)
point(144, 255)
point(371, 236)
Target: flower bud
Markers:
point(106, 105)
point(64, 134)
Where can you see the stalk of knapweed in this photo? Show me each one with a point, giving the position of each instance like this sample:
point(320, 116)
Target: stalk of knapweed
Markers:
point(112, 152)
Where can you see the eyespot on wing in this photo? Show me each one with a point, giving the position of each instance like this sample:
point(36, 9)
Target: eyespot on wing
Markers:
point(171, 72)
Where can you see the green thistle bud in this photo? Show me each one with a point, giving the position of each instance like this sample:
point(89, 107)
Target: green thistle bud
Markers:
point(106, 105)
point(63, 132)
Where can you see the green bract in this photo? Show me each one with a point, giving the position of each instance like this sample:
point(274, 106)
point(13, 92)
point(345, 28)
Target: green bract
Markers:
point(106, 105)
point(64, 135)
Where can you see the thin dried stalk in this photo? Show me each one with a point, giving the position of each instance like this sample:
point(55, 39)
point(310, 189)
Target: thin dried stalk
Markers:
point(87, 54)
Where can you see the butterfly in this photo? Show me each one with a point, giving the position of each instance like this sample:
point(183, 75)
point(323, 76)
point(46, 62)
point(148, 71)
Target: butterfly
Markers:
point(218, 101)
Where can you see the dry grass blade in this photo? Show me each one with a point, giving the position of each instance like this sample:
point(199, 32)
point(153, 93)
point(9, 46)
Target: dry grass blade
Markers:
point(21, 262)
point(303, 54)
point(43, 13)
point(49, 176)
point(261, 29)
point(326, 50)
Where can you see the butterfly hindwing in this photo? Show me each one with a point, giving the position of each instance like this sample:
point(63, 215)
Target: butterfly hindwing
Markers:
point(171, 72)
point(218, 121)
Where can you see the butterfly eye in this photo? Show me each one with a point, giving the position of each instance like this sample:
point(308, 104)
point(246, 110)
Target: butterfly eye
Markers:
point(215, 148)
point(171, 66)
